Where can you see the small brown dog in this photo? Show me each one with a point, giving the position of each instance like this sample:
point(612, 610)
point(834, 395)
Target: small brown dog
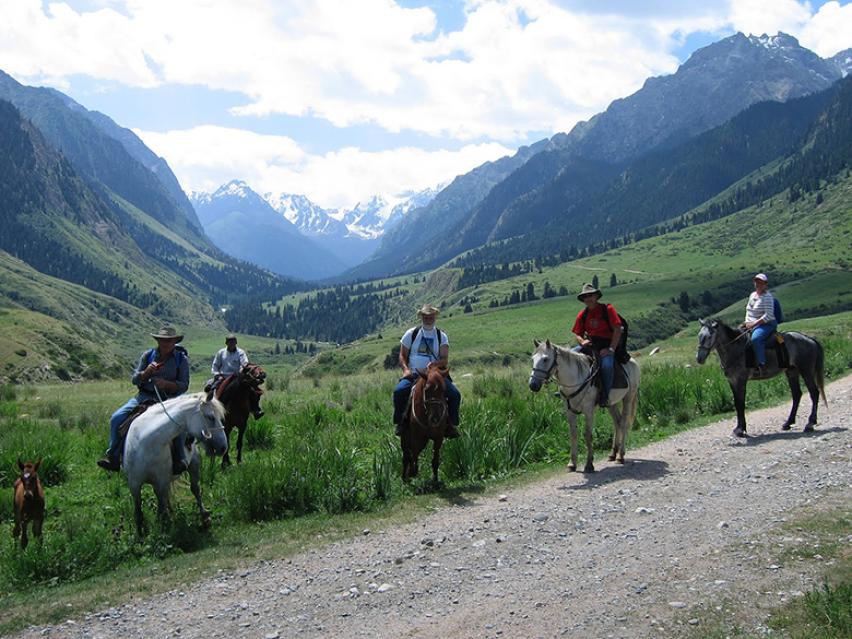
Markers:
point(29, 502)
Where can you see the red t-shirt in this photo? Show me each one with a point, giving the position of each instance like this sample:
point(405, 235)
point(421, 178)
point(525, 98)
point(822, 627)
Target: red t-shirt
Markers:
point(596, 325)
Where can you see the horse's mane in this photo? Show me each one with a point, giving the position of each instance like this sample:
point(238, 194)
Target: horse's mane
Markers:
point(577, 359)
point(730, 330)
point(184, 402)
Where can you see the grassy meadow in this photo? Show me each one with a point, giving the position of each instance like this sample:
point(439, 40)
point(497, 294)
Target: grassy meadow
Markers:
point(323, 460)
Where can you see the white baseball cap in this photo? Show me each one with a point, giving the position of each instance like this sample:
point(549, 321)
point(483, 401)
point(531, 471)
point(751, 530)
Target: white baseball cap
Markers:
point(761, 276)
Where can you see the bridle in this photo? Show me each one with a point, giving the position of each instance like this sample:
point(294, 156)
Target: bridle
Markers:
point(432, 406)
point(545, 377)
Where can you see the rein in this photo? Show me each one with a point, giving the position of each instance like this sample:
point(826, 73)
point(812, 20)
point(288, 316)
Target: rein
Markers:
point(593, 370)
point(172, 419)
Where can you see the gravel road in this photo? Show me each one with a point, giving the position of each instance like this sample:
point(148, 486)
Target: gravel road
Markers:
point(643, 550)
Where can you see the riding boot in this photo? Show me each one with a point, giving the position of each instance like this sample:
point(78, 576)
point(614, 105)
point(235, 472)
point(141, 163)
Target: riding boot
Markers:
point(451, 432)
point(108, 463)
point(398, 431)
point(603, 399)
point(760, 371)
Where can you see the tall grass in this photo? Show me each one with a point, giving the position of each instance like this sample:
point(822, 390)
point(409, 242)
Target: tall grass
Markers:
point(316, 451)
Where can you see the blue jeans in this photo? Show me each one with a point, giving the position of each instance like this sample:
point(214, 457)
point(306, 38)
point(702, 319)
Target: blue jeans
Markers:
point(117, 419)
point(403, 390)
point(607, 369)
point(759, 335)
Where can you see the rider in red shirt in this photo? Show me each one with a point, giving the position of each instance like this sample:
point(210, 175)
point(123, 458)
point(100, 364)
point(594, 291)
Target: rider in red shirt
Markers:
point(598, 327)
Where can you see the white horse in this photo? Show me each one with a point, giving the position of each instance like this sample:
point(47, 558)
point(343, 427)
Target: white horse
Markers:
point(147, 449)
point(574, 373)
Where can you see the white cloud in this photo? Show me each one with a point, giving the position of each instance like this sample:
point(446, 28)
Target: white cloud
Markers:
point(205, 157)
point(830, 30)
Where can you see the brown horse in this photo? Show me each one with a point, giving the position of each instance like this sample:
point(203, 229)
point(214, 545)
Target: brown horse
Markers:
point(28, 502)
point(427, 419)
point(239, 393)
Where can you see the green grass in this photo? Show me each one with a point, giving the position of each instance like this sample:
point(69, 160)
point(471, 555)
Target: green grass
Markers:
point(325, 449)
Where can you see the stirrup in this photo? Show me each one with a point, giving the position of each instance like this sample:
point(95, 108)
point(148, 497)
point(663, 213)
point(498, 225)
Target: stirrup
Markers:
point(451, 432)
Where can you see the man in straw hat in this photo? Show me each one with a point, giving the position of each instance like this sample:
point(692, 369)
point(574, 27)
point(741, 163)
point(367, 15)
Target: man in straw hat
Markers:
point(598, 327)
point(418, 347)
point(162, 371)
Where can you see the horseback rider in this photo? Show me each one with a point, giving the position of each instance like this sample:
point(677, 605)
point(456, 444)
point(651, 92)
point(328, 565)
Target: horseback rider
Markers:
point(230, 361)
point(162, 373)
point(760, 320)
point(598, 328)
point(418, 347)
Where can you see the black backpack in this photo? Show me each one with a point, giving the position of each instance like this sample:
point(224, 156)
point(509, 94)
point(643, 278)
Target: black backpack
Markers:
point(621, 354)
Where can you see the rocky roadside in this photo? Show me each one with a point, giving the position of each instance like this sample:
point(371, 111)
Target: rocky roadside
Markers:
point(648, 549)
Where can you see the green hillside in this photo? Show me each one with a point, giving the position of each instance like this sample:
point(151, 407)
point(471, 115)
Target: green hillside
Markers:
point(802, 245)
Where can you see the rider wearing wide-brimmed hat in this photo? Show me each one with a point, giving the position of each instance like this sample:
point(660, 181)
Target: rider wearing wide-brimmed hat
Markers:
point(419, 346)
point(161, 373)
point(598, 327)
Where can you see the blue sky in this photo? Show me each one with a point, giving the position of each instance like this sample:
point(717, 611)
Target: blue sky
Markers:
point(340, 100)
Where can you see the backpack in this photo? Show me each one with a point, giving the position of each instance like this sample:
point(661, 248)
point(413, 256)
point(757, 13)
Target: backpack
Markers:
point(621, 354)
point(776, 310)
point(179, 353)
point(417, 332)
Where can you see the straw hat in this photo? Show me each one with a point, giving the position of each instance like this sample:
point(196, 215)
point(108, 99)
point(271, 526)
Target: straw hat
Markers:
point(428, 309)
point(167, 332)
point(588, 289)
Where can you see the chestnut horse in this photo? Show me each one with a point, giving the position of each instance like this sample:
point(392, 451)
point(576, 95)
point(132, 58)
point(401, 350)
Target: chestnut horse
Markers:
point(237, 393)
point(29, 502)
point(426, 419)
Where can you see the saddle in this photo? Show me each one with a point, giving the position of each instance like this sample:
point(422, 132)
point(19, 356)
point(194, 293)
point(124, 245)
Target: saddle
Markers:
point(774, 344)
point(619, 375)
point(141, 408)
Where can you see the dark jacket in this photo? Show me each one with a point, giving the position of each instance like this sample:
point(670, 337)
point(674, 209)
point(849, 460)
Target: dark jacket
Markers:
point(170, 371)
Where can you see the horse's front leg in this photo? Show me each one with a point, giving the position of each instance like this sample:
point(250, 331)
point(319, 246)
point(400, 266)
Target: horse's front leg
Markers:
point(616, 433)
point(195, 487)
point(226, 458)
point(738, 388)
point(813, 391)
point(796, 393)
point(436, 459)
point(25, 540)
point(240, 432)
point(16, 529)
point(161, 489)
point(572, 428)
point(37, 523)
point(590, 452)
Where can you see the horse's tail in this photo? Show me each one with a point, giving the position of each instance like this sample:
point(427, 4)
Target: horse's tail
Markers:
point(819, 372)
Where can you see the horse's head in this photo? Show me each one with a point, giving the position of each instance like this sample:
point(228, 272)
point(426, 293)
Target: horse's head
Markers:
point(29, 478)
point(430, 401)
point(707, 336)
point(544, 362)
point(205, 424)
point(252, 375)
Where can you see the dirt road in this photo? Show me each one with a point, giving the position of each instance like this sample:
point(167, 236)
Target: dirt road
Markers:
point(687, 526)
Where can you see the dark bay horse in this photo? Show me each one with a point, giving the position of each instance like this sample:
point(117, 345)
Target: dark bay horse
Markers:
point(426, 419)
point(237, 394)
point(28, 502)
point(806, 359)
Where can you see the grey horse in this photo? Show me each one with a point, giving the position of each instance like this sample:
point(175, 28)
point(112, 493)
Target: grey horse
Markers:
point(806, 359)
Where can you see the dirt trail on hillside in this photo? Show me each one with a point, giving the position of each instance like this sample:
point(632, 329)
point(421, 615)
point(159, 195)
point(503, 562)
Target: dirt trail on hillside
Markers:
point(644, 550)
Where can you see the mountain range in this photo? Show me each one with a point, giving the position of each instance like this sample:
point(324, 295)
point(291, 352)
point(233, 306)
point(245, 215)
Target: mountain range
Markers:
point(516, 195)
point(291, 235)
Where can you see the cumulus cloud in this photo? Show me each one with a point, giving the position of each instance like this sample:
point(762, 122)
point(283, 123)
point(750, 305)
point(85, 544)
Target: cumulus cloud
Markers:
point(205, 157)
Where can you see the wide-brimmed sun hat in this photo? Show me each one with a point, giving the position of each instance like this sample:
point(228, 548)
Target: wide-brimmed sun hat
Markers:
point(588, 289)
point(167, 332)
point(428, 309)
point(762, 277)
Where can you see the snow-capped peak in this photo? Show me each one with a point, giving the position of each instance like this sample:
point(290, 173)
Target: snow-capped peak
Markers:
point(778, 41)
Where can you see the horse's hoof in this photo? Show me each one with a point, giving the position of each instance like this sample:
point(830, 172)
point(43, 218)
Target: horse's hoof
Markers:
point(739, 432)
point(589, 469)
point(611, 457)
point(572, 468)
point(621, 460)
point(785, 426)
point(809, 427)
